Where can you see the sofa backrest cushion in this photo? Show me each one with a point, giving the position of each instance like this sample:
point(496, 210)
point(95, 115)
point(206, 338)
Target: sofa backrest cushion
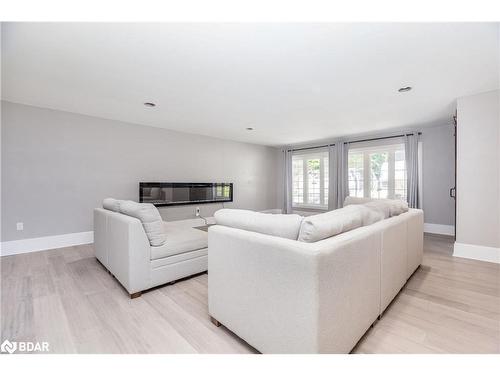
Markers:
point(394, 206)
point(286, 226)
point(371, 215)
point(318, 227)
point(356, 200)
point(383, 208)
point(397, 206)
point(150, 218)
point(111, 204)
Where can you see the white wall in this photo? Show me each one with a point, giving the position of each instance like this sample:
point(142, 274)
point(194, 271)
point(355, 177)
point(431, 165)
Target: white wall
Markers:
point(478, 172)
point(57, 166)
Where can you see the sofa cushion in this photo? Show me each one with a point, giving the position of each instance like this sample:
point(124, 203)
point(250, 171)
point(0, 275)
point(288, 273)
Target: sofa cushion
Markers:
point(318, 227)
point(179, 240)
point(286, 226)
point(372, 214)
point(356, 200)
point(380, 206)
point(150, 218)
point(111, 204)
point(179, 258)
point(395, 206)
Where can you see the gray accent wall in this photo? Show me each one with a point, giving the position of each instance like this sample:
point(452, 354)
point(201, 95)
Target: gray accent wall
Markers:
point(57, 166)
point(438, 174)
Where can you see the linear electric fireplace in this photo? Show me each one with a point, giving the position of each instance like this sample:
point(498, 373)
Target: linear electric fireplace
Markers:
point(179, 193)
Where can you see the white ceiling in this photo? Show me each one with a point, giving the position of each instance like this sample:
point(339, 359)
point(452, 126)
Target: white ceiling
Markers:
point(293, 83)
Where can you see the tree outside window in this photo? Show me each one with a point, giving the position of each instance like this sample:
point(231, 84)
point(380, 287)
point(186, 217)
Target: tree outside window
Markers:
point(377, 172)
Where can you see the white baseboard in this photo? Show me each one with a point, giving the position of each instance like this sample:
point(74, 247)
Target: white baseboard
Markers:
point(44, 243)
point(477, 252)
point(448, 230)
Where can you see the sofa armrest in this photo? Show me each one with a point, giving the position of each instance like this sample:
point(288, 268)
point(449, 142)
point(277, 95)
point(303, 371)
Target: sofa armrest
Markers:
point(349, 269)
point(129, 253)
point(264, 288)
point(415, 239)
point(100, 235)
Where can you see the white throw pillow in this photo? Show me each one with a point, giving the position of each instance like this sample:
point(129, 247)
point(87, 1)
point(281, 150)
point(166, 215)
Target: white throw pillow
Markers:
point(318, 227)
point(383, 207)
point(372, 215)
point(356, 200)
point(286, 226)
point(395, 206)
point(111, 204)
point(150, 218)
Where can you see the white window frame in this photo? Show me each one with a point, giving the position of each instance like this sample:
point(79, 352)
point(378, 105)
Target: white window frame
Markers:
point(366, 151)
point(305, 156)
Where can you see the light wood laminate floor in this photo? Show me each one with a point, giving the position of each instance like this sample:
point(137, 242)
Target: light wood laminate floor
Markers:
point(65, 297)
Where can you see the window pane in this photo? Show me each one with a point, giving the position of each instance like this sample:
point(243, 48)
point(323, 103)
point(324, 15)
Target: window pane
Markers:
point(382, 169)
point(399, 175)
point(313, 181)
point(379, 169)
point(297, 181)
point(355, 174)
point(310, 179)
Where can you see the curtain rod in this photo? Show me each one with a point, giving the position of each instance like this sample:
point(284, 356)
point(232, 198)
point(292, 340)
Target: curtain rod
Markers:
point(360, 140)
point(379, 138)
point(311, 148)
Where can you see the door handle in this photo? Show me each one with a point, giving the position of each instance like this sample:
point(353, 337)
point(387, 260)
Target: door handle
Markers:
point(453, 193)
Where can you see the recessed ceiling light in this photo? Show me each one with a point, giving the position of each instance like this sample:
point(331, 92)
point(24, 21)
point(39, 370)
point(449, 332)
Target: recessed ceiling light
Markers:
point(405, 89)
point(249, 128)
point(149, 104)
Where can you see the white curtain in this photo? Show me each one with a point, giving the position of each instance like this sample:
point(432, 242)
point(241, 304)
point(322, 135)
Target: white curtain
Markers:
point(411, 155)
point(287, 181)
point(340, 176)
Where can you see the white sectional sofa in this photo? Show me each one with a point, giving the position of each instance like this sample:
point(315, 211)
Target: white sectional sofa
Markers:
point(279, 287)
point(141, 251)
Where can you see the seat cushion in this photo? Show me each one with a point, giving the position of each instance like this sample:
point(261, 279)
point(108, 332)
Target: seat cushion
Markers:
point(178, 258)
point(179, 240)
point(286, 226)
